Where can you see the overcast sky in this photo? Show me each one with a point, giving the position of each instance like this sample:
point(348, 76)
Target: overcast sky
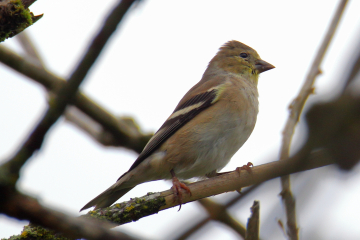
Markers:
point(161, 50)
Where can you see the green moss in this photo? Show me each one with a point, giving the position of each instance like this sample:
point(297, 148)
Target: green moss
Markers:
point(120, 213)
point(14, 18)
point(32, 232)
point(130, 211)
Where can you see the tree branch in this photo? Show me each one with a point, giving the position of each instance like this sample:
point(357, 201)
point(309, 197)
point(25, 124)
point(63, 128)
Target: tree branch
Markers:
point(152, 203)
point(29, 48)
point(72, 114)
point(66, 93)
point(253, 225)
point(100, 40)
point(219, 213)
point(120, 130)
point(24, 207)
point(354, 69)
point(295, 112)
point(203, 222)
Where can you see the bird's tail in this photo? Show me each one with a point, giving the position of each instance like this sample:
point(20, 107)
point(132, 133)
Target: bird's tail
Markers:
point(106, 198)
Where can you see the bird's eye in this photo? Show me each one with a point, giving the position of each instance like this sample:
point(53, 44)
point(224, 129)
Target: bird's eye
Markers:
point(243, 55)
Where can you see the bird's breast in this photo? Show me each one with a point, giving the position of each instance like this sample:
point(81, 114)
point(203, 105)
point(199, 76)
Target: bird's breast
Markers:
point(220, 134)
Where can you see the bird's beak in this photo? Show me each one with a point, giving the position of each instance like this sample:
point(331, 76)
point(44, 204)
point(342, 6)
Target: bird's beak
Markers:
point(263, 66)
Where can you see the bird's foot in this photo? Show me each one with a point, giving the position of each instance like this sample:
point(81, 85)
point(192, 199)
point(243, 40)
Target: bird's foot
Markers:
point(246, 167)
point(177, 186)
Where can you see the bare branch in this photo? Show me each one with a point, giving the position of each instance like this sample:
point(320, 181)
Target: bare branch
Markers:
point(27, 68)
point(219, 213)
point(253, 225)
point(124, 136)
point(355, 69)
point(122, 132)
point(295, 112)
point(95, 130)
point(29, 48)
point(203, 222)
point(100, 40)
point(71, 114)
point(34, 142)
point(27, 3)
point(193, 229)
point(63, 96)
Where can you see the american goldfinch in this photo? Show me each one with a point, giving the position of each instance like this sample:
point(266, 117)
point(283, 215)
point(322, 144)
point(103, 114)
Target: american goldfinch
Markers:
point(208, 126)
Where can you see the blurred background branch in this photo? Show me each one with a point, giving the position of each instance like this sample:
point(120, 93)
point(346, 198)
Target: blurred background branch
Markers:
point(219, 213)
point(123, 135)
point(10, 169)
point(80, 119)
point(253, 225)
point(188, 232)
point(296, 108)
point(22, 207)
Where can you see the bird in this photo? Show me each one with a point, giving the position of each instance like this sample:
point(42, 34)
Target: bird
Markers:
point(208, 126)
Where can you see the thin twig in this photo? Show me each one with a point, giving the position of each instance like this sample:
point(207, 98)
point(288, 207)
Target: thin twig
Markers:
point(193, 229)
point(29, 69)
point(122, 134)
point(219, 213)
point(355, 68)
point(95, 130)
point(295, 112)
point(253, 225)
point(29, 48)
point(119, 129)
point(72, 114)
point(203, 222)
point(65, 94)
point(100, 40)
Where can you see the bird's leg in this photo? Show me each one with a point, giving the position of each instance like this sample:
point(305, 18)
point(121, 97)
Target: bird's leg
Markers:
point(177, 185)
point(246, 167)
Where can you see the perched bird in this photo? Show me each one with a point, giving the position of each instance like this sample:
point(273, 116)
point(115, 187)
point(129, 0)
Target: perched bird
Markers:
point(208, 126)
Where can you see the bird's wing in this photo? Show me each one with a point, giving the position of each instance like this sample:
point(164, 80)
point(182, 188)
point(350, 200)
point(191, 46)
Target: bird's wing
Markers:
point(181, 115)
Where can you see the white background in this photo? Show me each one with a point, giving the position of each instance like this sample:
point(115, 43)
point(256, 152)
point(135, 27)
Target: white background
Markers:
point(160, 50)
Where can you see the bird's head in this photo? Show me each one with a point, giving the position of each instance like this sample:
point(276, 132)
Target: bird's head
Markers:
point(238, 58)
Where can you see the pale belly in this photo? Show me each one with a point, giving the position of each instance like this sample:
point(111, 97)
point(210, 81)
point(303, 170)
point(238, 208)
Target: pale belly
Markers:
point(216, 147)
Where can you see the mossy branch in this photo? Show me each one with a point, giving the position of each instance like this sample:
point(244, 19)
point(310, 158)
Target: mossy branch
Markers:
point(137, 208)
point(15, 17)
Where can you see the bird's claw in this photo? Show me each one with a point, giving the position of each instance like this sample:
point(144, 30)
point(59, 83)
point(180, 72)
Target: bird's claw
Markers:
point(246, 167)
point(177, 186)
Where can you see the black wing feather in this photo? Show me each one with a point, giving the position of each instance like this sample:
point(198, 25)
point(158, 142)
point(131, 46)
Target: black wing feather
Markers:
point(176, 123)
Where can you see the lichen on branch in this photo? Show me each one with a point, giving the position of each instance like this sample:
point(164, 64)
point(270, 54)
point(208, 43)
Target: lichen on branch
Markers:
point(15, 17)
